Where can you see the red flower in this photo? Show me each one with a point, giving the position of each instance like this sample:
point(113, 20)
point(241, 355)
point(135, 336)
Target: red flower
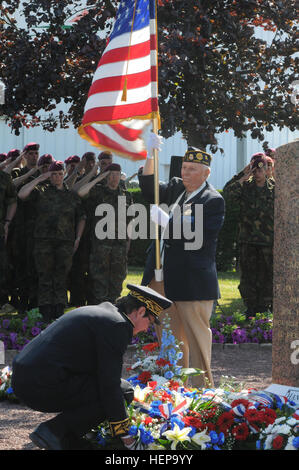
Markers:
point(269, 416)
point(253, 416)
point(194, 422)
point(162, 362)
point(150, 347)
point(240, 432)
point(239, 401)
point(152, 385)
point(225, 420)
point(173, 385)
point(210, 426)
point(277, 442)
point(144, 377)
point(148, 420)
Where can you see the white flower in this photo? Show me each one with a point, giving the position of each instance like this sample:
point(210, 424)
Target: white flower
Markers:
point(154, 446)
point(291, 421)
point(201, 439)
point(281, 429)
point(179, 398)
point(141, 394)
point(177, 435)
point(268, 442)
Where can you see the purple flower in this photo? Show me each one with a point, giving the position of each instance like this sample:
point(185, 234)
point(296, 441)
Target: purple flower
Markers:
point(35, 331)
point(239, 335)
point(5, 323)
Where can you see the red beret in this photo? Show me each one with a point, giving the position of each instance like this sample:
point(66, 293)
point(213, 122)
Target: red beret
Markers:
point(14, 153)
point(45, 159)
point(56, 166)
point(113, 167)
point(31, 146)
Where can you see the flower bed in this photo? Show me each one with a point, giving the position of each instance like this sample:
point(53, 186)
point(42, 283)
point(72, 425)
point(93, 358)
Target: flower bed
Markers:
point(237, 329)
point(17, 330)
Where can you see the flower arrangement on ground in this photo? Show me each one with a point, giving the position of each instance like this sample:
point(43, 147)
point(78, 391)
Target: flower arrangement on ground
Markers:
point(167, 415)
point(6, 391)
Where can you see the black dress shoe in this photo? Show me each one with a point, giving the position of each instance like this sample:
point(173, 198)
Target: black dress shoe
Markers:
point(44, 438)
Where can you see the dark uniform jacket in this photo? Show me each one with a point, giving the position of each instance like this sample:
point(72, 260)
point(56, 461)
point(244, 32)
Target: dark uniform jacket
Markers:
point(188, 274)
point(88, 341)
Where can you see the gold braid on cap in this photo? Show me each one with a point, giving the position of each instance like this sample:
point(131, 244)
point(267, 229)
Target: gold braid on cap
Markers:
point(197, 156)
point(151, 305)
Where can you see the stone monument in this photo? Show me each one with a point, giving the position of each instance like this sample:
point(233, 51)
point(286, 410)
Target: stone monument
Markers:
point(285, 340)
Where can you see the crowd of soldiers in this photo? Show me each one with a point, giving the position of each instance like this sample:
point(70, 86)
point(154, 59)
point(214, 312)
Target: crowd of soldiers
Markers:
point(48, 244)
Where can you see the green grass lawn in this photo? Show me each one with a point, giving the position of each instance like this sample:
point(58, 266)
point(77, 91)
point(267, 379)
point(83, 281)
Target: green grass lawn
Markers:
point(230, 301)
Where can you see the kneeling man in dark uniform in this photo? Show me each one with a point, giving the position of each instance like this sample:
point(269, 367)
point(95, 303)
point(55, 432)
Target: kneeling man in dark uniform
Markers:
point(74, 368)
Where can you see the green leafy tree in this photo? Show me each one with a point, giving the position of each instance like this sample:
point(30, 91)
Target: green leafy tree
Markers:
point(215, 74)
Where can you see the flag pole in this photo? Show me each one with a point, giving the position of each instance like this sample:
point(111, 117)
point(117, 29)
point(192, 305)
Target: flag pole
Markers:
point(158, 270)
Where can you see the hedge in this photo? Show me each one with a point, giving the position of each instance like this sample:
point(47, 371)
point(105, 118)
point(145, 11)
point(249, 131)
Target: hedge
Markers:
point(227, 251)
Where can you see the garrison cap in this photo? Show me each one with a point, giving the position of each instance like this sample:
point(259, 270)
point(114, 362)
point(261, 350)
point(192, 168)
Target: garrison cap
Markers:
point(194, 155)
point(154, 302)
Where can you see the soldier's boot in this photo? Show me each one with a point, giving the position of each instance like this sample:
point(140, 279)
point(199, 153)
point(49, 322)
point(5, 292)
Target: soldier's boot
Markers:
point(45, 311)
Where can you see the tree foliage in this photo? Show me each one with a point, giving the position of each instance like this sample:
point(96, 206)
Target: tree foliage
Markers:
point(215, 74)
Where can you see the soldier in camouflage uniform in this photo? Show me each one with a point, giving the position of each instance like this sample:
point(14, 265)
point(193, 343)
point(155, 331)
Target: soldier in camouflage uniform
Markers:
point(59, 226)
point(108, 256)
point(8, 205)
point(254, 193)
point(21, 241)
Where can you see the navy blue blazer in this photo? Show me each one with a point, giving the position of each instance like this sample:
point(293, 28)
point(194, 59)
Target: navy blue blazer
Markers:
point(188, 274)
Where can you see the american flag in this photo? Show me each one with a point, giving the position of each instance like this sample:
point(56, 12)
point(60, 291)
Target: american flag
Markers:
point(123, 97)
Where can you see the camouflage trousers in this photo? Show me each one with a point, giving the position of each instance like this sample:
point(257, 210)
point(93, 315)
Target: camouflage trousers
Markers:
point(53, 260)
point(256, 276)
point(78, 275)
point(107, 270)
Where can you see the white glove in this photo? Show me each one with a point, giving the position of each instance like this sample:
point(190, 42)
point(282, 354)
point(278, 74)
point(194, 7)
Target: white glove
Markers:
point(159, 216)
point(154, 143)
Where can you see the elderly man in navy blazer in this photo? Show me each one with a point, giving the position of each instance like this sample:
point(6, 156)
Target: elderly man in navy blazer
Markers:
point(189, 265)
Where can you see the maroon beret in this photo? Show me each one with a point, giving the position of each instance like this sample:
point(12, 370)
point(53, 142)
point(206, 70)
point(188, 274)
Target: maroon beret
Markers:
point(45, 159)
point(105, 155)
point(3, 157)
point(259, 162)
point(13, 154)
point(270, 161)
point(31, 146)
point(89, 156)
point(56, 166)
point(270, 152)
point(72, 159)
point(113, 167)
point(257, 155)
